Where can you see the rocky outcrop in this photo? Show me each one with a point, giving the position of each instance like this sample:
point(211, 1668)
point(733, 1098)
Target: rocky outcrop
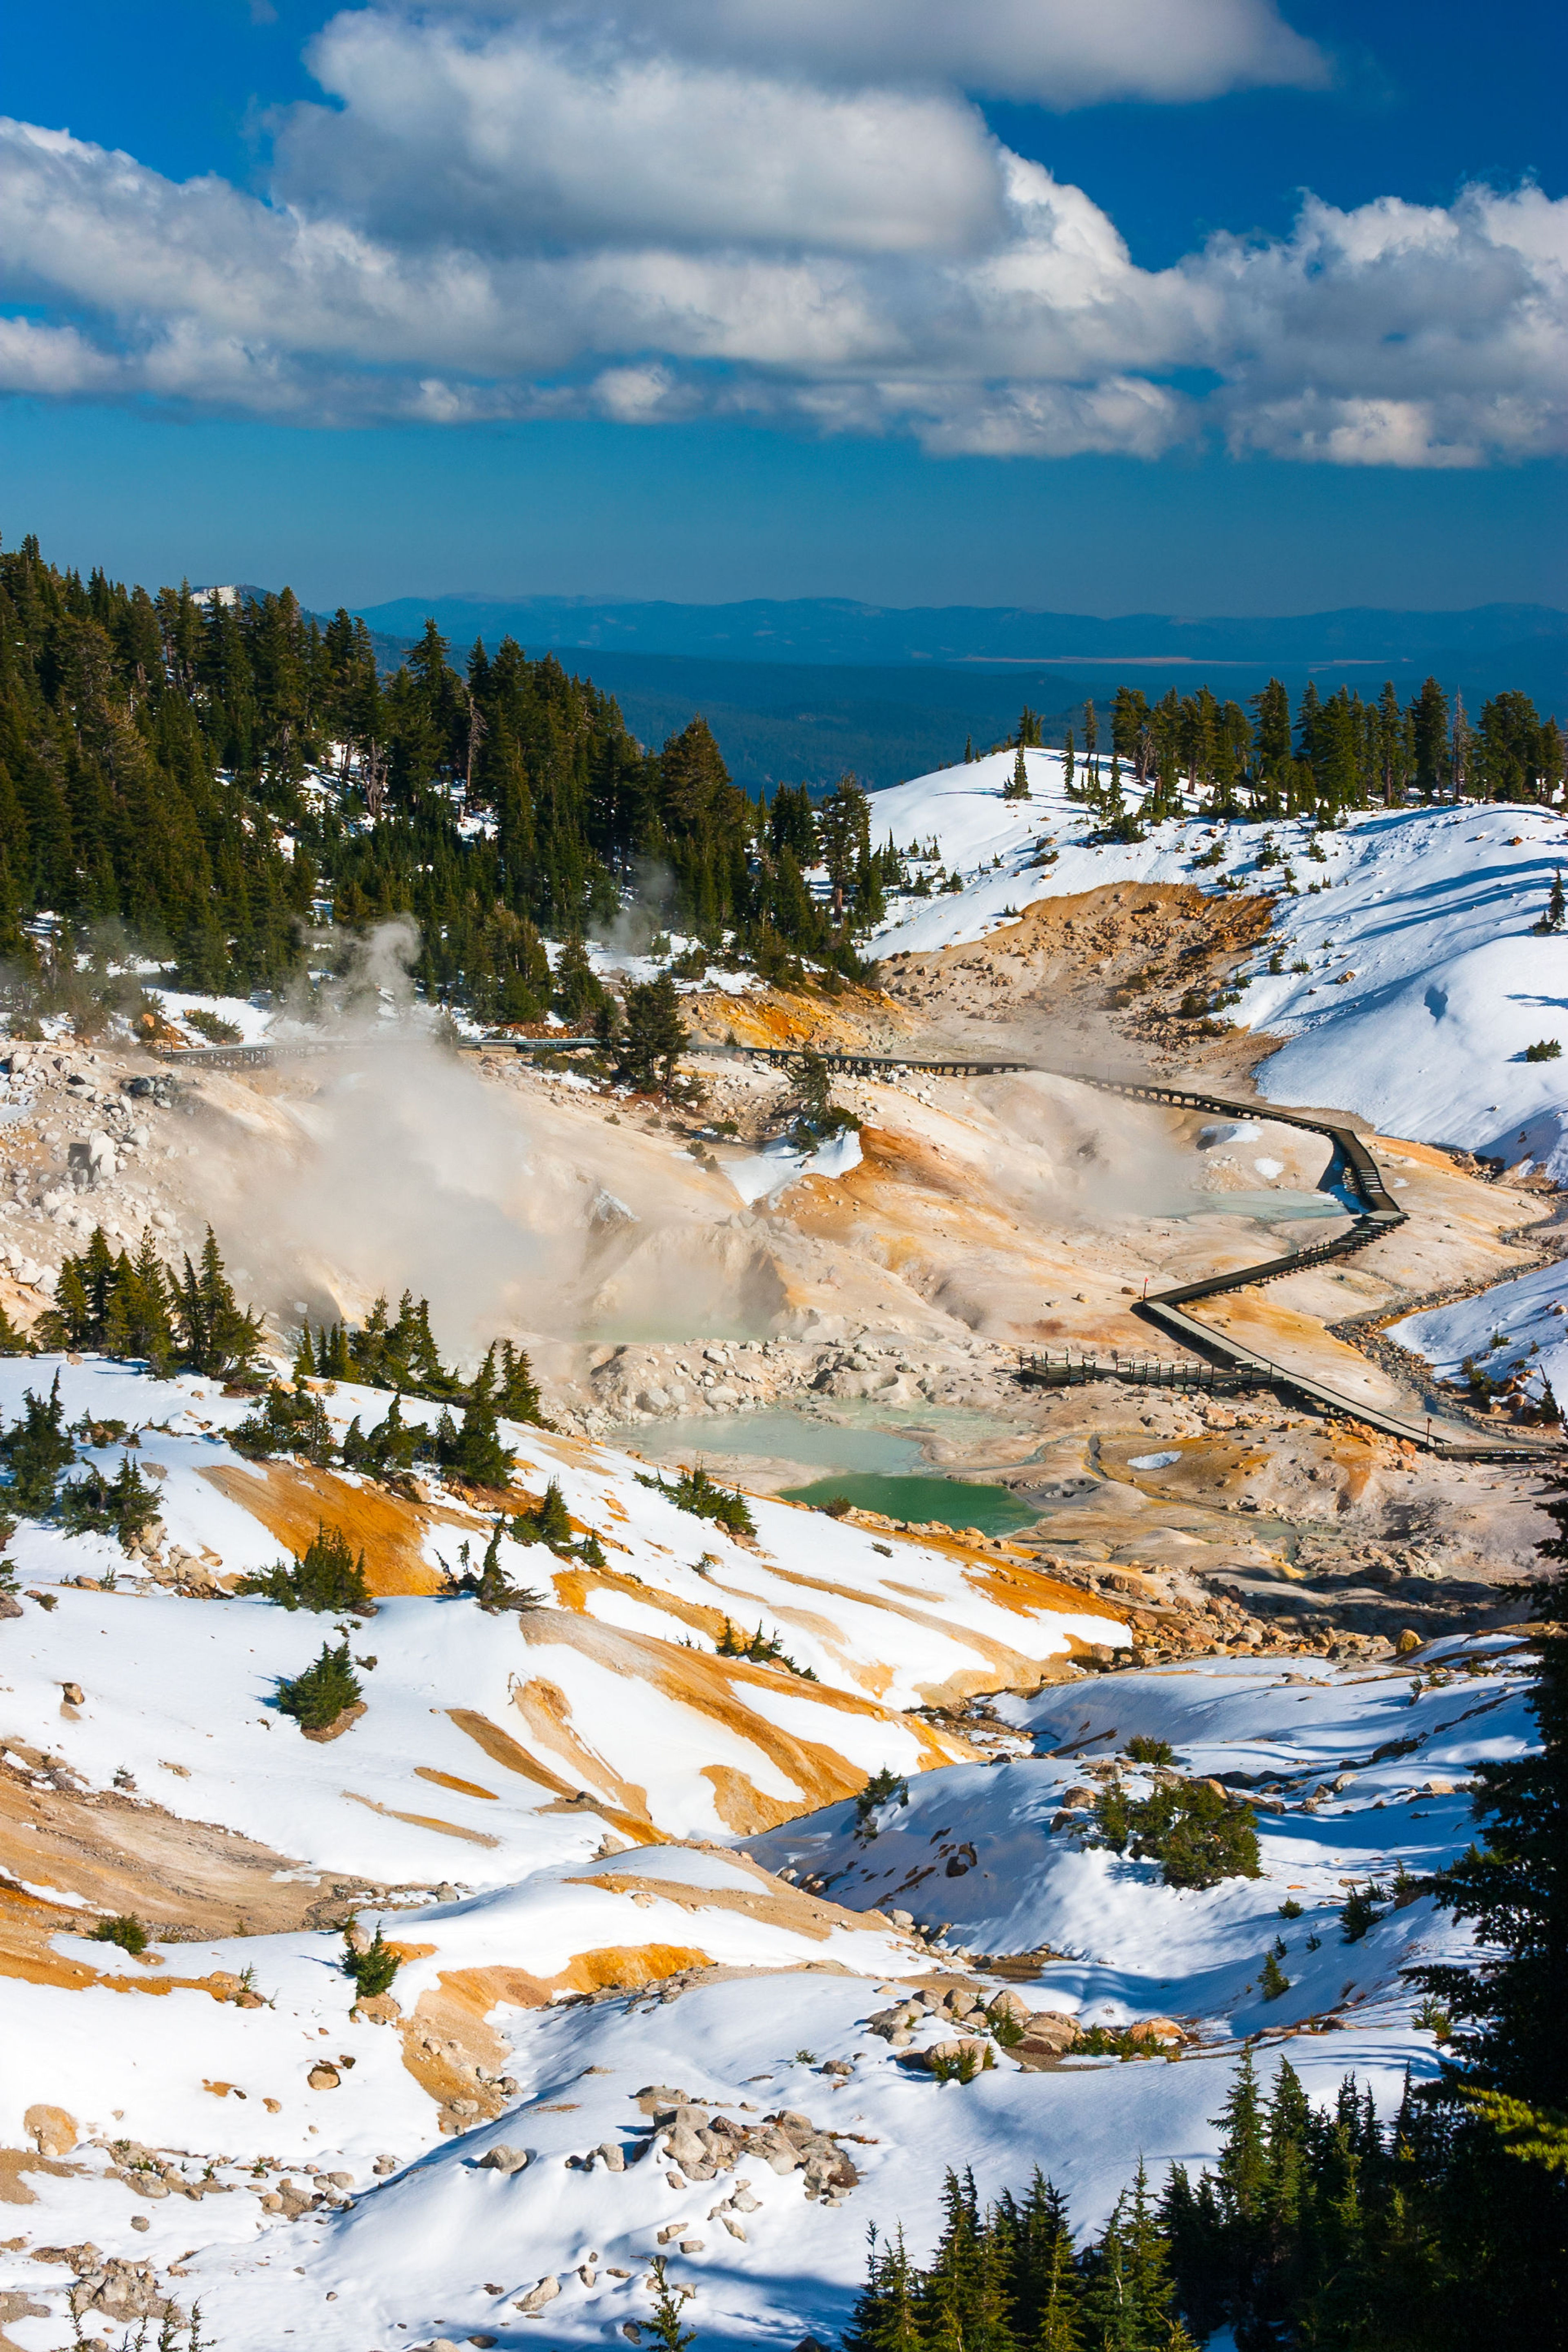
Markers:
point(702, 2144)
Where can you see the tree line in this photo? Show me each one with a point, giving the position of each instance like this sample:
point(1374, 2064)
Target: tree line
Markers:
point(1326, 757)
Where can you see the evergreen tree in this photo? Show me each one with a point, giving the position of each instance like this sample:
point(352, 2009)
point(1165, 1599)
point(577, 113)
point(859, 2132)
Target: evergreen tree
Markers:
point(216, 1336)
point(36, 1449)
point(325, 1577)
point(1017, 788)
point(475, 1452)
point(548, 1521)
point(316, 1698)
point(654, 1038)
point(1430, 714)
point(669, 2302)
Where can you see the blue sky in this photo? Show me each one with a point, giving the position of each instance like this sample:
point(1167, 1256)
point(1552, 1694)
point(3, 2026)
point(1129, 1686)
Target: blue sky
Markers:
point(1197, 305)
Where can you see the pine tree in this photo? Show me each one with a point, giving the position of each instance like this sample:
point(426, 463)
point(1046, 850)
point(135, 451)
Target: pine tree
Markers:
point(654, 1037)
point(885, 2318)
point(517, 1397)
point(216, 1336)
point(325, 1578)
point(1060, 2328)
point(669, 2302)
point(475, 1452)
point(324, 1691)
point(548, 1521)
point(36, 1448)
point(1017, 787)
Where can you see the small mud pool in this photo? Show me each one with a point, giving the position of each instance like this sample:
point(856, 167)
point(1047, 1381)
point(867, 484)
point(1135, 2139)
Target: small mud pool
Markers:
point(878, 1459)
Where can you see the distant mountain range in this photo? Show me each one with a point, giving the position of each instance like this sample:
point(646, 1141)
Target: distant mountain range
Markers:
point(833, 631)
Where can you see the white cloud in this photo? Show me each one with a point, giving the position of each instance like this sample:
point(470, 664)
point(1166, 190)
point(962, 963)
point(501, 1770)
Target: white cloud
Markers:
point(514, 220)
point(1060, 53)
point(514, 142)
point(52, 361)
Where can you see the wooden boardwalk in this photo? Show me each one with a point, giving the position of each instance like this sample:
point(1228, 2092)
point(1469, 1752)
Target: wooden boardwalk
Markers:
point(1378, 1213)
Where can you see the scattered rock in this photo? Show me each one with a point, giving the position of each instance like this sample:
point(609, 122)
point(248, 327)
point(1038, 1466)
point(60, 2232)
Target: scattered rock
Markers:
point(52, 2130)
point(123, 2290)
point(532, 2303)
point(1049, 2034)
point(324, 2076)
point(501, 2159)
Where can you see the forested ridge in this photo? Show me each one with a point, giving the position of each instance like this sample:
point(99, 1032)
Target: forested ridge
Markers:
point(221, 776)
point(225, 778)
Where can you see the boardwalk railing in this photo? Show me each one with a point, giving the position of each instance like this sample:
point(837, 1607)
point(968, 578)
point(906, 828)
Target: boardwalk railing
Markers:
point(1378, 1213)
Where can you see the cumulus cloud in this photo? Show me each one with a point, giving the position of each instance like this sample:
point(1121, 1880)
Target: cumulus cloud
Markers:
point(1058, 53)
point(535, 214)
point(508, 139)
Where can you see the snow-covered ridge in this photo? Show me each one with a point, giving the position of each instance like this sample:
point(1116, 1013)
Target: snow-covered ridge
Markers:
point(1424, 976)
point(612, 1688)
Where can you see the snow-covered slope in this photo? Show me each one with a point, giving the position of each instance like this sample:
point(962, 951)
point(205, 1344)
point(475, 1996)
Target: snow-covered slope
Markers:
point(1515, 1328)
point(613, 1688)
point(963, 811)
point(977, 1843)
point(1424, 977)
point(337, 2151)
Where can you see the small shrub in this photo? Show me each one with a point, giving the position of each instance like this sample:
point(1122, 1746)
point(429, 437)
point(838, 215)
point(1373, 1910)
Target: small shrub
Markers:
point(213, 1027)
point(962, 2069)
point(319, 1696)
point(1289, 1909)
point(373, 1969)
point(1144, 1750)
point(98, 1506)
point(1195, 1834)
point(1546, 1049)
point(1114, 1817)
point(1360, 1912)
point(695, 1492)
point(837, 1506)
point(327, 1580)
point(1273, 1980)
point(1113, 2041)
point(1431, 2017)
point(1007, 2030)
point(548, 1521)
point(492, 1588)
point(760, 1649)
point(882, 1789)
point(127, 1931)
